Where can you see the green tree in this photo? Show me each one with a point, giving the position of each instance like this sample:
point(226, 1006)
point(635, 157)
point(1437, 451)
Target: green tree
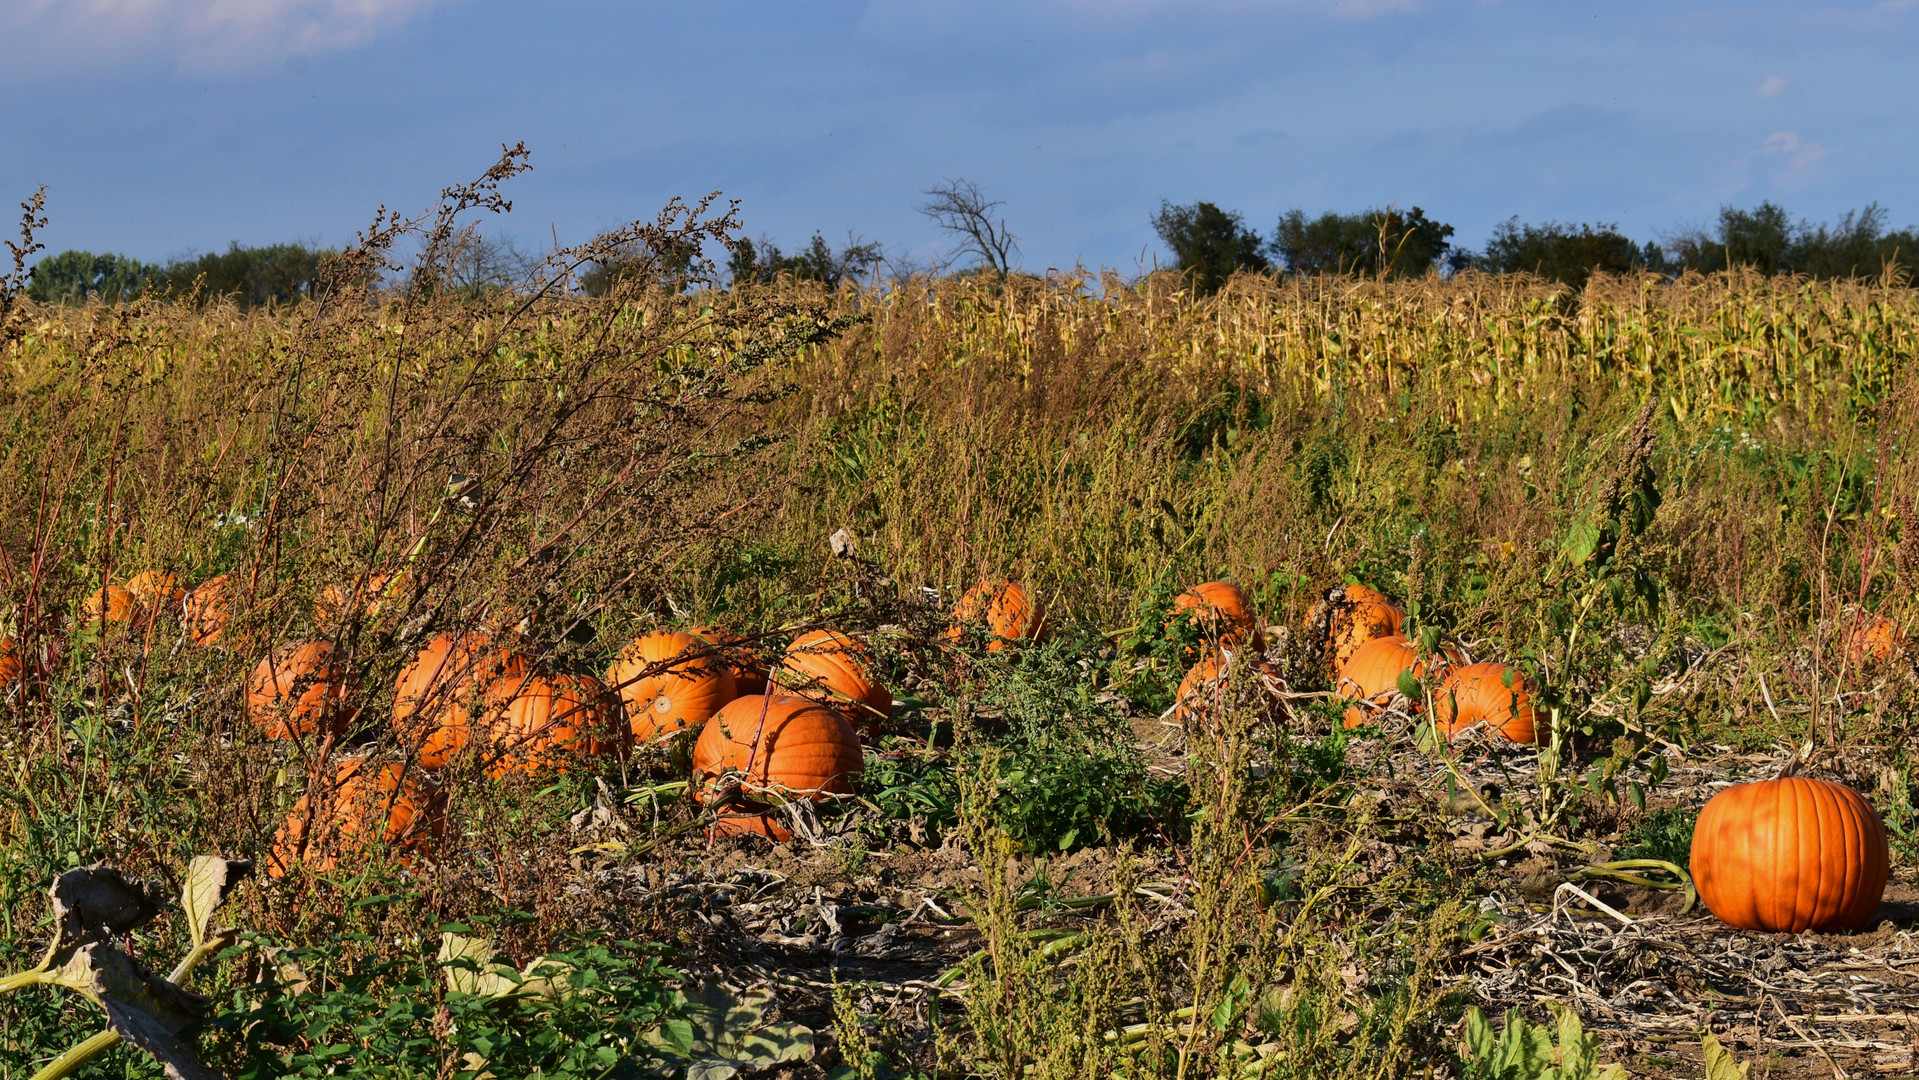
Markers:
point(71, 276)
point(815, 262)
point(1765, 239)
point(1211, 244)
point(1388, 243)
point(250, 276)
point(1559, 252)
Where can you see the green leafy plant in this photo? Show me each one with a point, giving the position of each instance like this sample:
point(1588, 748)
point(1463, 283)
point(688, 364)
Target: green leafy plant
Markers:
point(1523, 1050)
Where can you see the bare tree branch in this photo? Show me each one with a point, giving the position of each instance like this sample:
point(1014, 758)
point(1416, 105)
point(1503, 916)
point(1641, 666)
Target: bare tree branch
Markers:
point(961, 208)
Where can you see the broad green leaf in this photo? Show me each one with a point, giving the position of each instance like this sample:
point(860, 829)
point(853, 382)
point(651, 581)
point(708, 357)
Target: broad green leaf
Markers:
point(1720, 1064)
point(210, 880)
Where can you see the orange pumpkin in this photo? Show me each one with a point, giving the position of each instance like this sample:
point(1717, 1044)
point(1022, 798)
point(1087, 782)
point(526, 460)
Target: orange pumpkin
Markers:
point(748, 676)
point(1362, 615)
point(1479, 694)
point(1873, 639)
point(1009, 610)
point(1790, 855)
point(1200, 690)
point(1370, 676)
point(836, 669)
point(671, 682)
point(447, 683)
point(375, 595)
point(782, 745)
point(298, 691)
point(551, 721)
point(204, 613)
point(154, 590)
point(10, 666)
point(113, 602)
point(364, 805)
point(1223, 611)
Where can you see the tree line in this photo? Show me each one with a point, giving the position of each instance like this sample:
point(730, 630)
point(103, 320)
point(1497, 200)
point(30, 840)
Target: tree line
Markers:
point(1208, 244)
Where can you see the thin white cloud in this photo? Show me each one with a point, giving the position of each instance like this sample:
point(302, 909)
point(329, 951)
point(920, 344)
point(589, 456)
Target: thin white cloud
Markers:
point(199, 35)
point(1772, 87)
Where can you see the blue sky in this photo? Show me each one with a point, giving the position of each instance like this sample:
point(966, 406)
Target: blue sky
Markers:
point(166, 127)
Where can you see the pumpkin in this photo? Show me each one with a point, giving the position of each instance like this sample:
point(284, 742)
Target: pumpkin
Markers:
point(1492, 694)
point(783, 745)
point(446, 683)
point(363, 805)
point(1360, 615)
point(375, 595)
point(10, 666)
point(113, 602)
point(155, 589)
point(204, 612)
point(299, 690)
point(552, 720)
point(1222, 611)
point(1370, 676)
point(1200, 691)
point(748, 676)
point(836, 669)
point(1790, 855)
point(1873, 639)
point(670, 682)
point(1008, 609)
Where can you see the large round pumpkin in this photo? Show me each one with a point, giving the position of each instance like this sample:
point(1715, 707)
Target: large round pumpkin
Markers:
point(1495, 695)
point(204, 612)
point(299, 690)
point(362, 805)
point(454, 689)
point(113, 602)
point(1873, 639)
point(553, 720)
point(789, 746)
point(1790, 855)
point(1370, 676)
point(1362, 615)
point(836, 669)
point(749, 676)
point(10, 666)
point(1205, 683)
point(155, 590)
point(671, 682)
point(1009, 610)
point(1223, 611)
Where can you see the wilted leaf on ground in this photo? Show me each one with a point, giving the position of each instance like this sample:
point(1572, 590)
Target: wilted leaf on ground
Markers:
point(97, 902)
point(210, 880)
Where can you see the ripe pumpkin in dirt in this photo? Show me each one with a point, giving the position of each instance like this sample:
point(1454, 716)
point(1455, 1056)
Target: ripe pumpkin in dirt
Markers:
point(785, 745)
point(114, 601)
point(10, 666)
point(363, 804)
point(1224, 612)
point(1370, 677)
point(748, 676)
point(1009, 610)
point(1205, 684)
point(299, 690)
point(372, 596)
point(837, 669)
point(671, 682)
point(1873, 639)
point(454, 689)
point(1495, 695)
point(204, 611)
point(154, 590)
point(1790, 855)
point(743, 823)
point(1361, 615)
point(552, 721)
